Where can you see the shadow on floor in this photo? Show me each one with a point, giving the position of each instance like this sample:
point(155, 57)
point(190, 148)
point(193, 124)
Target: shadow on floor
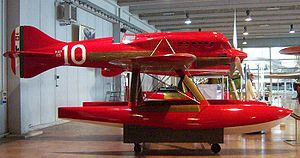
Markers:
point(184, 152)
point(81, 138)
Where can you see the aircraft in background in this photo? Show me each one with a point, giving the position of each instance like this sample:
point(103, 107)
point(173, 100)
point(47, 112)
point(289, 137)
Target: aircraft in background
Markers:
point(192, 119)
point(294, 50)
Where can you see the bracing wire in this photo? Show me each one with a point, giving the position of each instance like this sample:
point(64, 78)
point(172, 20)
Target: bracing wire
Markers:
point(176, 88)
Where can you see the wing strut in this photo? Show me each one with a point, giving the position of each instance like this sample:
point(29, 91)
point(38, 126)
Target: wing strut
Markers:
point(170, 46)
point(191, 86)
point(136, 97)
point(156, 47)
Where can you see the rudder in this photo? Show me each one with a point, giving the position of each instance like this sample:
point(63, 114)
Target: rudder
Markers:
point(29, 51)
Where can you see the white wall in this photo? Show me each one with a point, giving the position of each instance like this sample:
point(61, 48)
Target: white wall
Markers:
point(40, 96)
point(126, 15)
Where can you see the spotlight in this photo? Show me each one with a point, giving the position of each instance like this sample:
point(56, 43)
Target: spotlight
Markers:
point(187, 20)
point(292, 29)
point(248, 18)
point(123, 30)
point(245, 31)
point(244, 41)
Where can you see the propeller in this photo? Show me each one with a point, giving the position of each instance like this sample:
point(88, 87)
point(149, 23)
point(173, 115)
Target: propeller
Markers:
point(237, 61)
point(236, 65)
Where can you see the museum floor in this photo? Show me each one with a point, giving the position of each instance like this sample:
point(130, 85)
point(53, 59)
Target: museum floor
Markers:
point(74, 139)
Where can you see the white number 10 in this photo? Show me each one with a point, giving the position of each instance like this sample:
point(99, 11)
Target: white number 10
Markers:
point(83, 54)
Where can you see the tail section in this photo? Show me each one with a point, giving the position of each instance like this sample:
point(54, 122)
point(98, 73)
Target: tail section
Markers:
point(31, 51)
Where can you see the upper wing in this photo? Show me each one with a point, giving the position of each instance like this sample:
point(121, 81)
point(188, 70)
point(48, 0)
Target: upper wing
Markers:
point(158, 63)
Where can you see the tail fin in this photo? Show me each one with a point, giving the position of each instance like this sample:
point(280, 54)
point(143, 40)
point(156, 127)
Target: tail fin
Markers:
point(29, 53)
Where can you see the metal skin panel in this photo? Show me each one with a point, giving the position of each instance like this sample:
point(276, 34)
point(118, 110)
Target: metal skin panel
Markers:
point(41, 52)
point(219, 114)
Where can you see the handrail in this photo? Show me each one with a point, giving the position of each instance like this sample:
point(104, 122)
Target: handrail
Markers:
point(297, 118)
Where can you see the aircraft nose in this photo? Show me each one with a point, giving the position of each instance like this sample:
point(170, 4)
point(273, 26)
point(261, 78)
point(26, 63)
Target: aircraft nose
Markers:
point(283, 112)
point(242, 55)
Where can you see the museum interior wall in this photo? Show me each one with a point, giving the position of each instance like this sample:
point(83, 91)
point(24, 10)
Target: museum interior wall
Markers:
point(35, 100)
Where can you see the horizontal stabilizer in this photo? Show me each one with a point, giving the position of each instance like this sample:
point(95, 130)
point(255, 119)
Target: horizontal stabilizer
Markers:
point(13, 54)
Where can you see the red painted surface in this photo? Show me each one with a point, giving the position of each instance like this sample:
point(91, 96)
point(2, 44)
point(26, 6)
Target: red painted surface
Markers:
point(219, 114)
point(104, 103)
point(39, 52)
point(34, 52)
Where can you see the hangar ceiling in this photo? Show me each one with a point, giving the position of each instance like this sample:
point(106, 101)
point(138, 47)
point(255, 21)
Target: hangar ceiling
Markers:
point(271, 18)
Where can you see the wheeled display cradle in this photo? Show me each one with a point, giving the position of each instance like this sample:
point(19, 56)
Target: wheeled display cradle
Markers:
point(139, 134)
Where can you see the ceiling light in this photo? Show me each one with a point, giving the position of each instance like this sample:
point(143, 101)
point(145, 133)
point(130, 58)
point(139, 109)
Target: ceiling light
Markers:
point(273, 8)
point(168, 13)
point(292, 29)
point(261, 36)
point(248, 18)
point(264, 25)
point(245, 31)
point(187, 20)
point(244, 41)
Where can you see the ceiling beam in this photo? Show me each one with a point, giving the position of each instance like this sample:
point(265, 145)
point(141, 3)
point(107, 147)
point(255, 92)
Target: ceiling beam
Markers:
point(240, 20)
point(241, 14)
point(213, 5)
point(155, 2)
point(230, 24)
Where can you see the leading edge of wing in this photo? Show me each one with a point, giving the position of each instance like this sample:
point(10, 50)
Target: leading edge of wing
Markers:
point(165, 62)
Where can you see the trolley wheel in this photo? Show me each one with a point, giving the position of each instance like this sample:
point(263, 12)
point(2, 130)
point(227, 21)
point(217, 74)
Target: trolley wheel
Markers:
point(215, 148)
point(137, 148)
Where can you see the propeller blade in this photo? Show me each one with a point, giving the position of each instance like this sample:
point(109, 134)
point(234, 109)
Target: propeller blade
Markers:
point(238, 66)
point(232, 70)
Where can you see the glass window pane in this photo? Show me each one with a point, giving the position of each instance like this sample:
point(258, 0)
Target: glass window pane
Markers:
point(276, 55)
point(255, 65)
point(257, 53)
point(284, 66)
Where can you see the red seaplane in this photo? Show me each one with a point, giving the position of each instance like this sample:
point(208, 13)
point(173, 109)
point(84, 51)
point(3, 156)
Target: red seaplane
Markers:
point(194, 119)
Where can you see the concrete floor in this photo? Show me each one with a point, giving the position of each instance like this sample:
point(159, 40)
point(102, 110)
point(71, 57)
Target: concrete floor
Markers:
point(72, 140)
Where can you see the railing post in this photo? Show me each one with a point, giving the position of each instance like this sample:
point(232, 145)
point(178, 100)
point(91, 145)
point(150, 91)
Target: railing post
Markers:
point(294, 142)
point(296, 130)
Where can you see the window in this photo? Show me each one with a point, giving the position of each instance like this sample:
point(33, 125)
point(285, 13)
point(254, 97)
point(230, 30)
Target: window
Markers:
point(128, 38)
